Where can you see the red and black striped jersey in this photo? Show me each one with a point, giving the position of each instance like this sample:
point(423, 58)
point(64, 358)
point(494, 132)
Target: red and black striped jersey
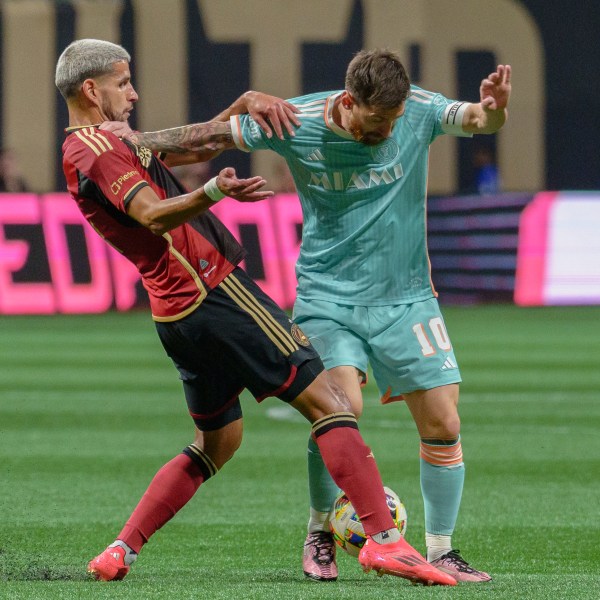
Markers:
point(178, 268)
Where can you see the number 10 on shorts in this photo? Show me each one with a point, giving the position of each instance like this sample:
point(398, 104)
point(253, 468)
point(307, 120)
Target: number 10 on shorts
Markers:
point(440, 335)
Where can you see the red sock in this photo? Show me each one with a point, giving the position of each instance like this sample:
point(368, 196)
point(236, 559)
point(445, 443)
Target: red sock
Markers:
point(170, 490)
point(353, 468)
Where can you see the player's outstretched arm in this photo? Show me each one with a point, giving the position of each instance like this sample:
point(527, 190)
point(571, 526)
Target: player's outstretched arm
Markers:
point(202, 141)
point(182, 145)
point(161, 216)
point(490, 114)
point(197, 138)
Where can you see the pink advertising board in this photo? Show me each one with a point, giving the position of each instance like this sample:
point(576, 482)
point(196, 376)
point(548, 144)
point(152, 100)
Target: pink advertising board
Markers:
point(558, 257)
point(31, 222)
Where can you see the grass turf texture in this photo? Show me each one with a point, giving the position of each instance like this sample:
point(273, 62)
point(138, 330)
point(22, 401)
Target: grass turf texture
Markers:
point(90, 408)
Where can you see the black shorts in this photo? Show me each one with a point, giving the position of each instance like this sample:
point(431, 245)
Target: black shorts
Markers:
point(237, 339)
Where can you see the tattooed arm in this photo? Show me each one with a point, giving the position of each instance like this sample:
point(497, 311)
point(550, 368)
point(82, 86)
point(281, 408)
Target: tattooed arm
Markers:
point(203, 141)
point(187, 144)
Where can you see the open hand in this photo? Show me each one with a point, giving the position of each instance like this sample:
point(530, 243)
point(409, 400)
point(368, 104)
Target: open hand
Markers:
point(243, 190)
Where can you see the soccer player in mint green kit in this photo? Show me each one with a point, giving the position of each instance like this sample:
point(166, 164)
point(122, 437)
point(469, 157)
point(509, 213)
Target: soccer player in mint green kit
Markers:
point(359, 159)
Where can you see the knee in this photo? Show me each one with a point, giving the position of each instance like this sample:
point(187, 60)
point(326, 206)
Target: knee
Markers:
point(322, 397)
point(223, 453)
point(451, 426)
point(443, 427)
point(226, 450)
point(231, 446)
point(220, 445)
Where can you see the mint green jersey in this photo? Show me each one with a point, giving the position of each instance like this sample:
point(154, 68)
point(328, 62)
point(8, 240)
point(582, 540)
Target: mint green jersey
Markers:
point(364, 239)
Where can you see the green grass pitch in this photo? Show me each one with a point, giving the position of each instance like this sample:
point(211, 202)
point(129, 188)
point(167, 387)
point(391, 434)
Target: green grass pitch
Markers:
point(90, 408)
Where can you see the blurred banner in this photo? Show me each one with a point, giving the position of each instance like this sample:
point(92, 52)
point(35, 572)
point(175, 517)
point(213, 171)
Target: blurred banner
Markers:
point(52, 261)
point(538, 249)
point(559, 250)
point(473, 246)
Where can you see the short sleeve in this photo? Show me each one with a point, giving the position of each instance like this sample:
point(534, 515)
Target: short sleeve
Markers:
point(108, 162)
point(248, 135)
point(432, 114)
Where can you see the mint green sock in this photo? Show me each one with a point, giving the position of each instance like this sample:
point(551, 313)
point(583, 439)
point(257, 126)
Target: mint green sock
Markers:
point(321, 486)
point(442, 491)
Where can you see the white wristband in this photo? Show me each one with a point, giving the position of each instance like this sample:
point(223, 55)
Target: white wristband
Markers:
point(211, 189)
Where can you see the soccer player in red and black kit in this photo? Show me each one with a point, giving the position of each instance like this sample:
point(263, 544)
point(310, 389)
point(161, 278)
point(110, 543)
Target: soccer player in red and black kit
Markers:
point(222, 333)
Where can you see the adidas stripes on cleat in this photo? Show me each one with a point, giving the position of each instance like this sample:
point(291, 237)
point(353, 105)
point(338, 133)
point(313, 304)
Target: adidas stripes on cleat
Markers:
point(402, 560)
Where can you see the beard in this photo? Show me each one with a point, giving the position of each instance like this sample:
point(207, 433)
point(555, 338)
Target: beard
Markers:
point(369, 139)
point(112, 115)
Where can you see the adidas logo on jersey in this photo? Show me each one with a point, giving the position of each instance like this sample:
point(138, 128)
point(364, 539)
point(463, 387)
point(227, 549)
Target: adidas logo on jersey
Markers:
point(316, 154)
point(448, 365)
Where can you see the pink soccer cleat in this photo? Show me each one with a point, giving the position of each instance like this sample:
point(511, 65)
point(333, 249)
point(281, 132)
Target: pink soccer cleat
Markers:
point(110, 565)
point(454, 564)
point(402, 560)
point(318, 560)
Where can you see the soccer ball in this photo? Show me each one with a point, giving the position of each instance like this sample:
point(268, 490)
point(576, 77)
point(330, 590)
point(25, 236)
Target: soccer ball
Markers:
point(346, 527)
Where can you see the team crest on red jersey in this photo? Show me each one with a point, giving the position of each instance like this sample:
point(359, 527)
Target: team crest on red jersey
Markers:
point(144, 154)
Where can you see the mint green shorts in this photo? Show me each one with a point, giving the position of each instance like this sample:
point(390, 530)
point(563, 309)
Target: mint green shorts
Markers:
point(407, 345)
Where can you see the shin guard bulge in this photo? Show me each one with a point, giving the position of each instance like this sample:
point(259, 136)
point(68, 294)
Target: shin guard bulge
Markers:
point(353, 468)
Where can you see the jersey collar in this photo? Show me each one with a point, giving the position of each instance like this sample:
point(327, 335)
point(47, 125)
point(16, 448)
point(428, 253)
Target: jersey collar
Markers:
point(330, 103)
point(77, 127)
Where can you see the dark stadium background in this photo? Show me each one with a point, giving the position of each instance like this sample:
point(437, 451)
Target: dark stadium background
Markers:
point(463, 271)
